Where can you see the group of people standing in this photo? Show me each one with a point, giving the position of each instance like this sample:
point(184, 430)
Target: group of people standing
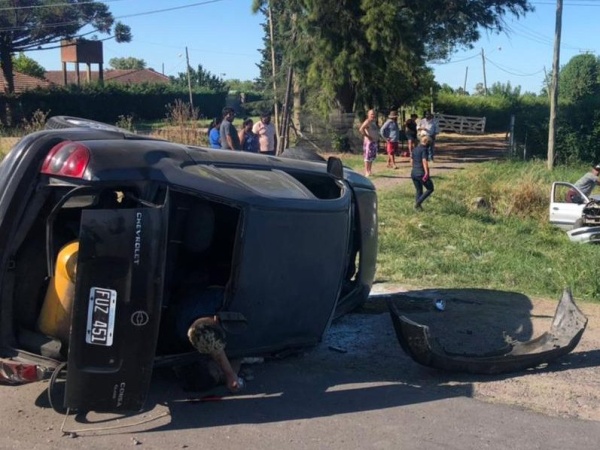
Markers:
point(259, 137)
point(423, 131)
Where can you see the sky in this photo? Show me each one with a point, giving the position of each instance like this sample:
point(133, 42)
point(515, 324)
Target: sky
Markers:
point(225, 37)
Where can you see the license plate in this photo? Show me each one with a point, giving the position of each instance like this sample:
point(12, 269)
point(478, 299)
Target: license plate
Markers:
point(101, 317)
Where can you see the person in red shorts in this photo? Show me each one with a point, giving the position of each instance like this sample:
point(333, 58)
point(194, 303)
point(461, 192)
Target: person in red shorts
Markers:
point(390, 131)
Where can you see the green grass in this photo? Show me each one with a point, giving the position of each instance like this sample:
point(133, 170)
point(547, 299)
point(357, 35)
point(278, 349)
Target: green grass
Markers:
point(509, 246)
point(6, 144)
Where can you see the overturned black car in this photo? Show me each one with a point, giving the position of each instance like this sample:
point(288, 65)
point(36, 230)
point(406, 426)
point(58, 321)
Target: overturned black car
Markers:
point(113, 244)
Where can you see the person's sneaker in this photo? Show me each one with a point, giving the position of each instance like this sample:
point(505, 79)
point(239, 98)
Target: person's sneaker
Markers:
point(418, 208)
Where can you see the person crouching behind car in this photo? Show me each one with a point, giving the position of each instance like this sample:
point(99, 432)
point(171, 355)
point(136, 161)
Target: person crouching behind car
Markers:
point(420, 172)
point(585, 184)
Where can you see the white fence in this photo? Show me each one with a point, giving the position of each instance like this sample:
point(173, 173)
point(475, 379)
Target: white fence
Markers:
point(460, 124)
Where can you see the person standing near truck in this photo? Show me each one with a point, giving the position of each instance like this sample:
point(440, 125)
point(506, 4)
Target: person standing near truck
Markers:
point(267, 137)
point(229, 136)
point(589, 181)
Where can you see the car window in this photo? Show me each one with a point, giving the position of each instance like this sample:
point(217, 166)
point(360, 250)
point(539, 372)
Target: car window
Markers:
point(274, 183)
point(271, 183)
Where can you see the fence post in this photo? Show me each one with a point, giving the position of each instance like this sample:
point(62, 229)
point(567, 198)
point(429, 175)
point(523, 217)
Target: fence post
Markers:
point(511, 142)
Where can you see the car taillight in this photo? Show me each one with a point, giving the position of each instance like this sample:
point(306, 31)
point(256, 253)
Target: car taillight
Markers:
point(68, 159)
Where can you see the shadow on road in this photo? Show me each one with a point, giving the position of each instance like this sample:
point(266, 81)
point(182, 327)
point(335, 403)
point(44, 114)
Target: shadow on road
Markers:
point(360, 367)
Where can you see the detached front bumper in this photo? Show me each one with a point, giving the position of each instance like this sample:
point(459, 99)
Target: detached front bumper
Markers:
point(585, 235)
point(422, 345)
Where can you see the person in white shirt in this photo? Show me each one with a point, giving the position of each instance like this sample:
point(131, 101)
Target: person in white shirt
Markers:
point(267, 138)
point(428, 127)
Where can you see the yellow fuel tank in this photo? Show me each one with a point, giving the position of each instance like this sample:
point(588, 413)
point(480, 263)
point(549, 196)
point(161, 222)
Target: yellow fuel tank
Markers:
point(55, 316)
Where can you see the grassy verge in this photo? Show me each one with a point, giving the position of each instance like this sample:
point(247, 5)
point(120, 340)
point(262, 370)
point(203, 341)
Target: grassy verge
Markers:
point(6, 144)
point(508, 245)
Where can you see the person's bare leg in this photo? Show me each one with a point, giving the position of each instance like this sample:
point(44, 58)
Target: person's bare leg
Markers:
point(232, 380)
point(206, 335)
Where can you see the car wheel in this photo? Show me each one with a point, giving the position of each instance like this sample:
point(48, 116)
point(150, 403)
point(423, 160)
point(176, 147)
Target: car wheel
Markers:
point(62, 122)
point(578, 223)
point(302, 154)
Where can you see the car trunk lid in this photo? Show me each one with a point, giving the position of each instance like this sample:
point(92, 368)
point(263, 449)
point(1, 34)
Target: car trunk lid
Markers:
point(116, 312)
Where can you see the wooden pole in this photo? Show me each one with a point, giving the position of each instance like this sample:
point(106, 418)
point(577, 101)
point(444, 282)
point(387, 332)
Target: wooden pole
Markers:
point(485, 91)
point(554, 85)
point(274, 73)
point(187, 61)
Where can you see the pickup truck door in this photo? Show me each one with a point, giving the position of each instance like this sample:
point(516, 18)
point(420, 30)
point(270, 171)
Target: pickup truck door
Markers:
point(563, 212)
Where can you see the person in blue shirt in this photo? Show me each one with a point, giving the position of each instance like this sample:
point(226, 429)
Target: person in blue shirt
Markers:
point(214, 134)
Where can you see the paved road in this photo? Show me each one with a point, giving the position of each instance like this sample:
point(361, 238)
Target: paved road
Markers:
point(353, 391)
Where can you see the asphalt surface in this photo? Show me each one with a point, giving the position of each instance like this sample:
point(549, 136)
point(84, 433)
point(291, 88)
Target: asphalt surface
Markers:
point(352, 391)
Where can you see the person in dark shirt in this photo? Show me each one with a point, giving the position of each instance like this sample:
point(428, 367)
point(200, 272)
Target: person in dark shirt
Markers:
point(410, 128)
point(420, 172)
point(229, 136)
point(248, 140)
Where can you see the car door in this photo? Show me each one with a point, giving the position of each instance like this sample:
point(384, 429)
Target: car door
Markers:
point(116, 312)
point(565, 208)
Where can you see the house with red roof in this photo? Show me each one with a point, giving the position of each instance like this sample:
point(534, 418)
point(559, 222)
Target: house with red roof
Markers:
point(132, 76)
point(23, 82)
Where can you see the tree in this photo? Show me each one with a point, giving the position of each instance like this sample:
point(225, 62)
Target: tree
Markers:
point(200, 78)
point(361, 53)
point(242, 85)
point(128, 63)
point(580, 78)
point(30, 24)
point(25, 64)
point(505, 90)
point(479, 89)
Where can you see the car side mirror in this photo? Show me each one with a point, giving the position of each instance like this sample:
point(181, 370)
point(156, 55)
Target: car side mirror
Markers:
point(335, 168)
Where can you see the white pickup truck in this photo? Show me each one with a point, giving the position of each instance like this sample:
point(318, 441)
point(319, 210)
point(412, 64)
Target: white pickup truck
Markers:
point(574, 212)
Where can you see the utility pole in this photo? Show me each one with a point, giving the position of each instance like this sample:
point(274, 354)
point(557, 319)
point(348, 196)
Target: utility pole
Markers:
point(187, 61)
point(273, 73)
point(554, 85)
point(485, 91)
point(465, 84)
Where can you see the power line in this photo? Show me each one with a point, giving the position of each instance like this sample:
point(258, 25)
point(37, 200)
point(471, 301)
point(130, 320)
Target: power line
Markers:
point(504, 69)
point(53, 5)
point(145, 13)
point(456, 61)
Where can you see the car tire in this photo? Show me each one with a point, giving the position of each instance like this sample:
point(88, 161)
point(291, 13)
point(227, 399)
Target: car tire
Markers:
point(578, 224)
point(303, 154)
point(62, 122)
